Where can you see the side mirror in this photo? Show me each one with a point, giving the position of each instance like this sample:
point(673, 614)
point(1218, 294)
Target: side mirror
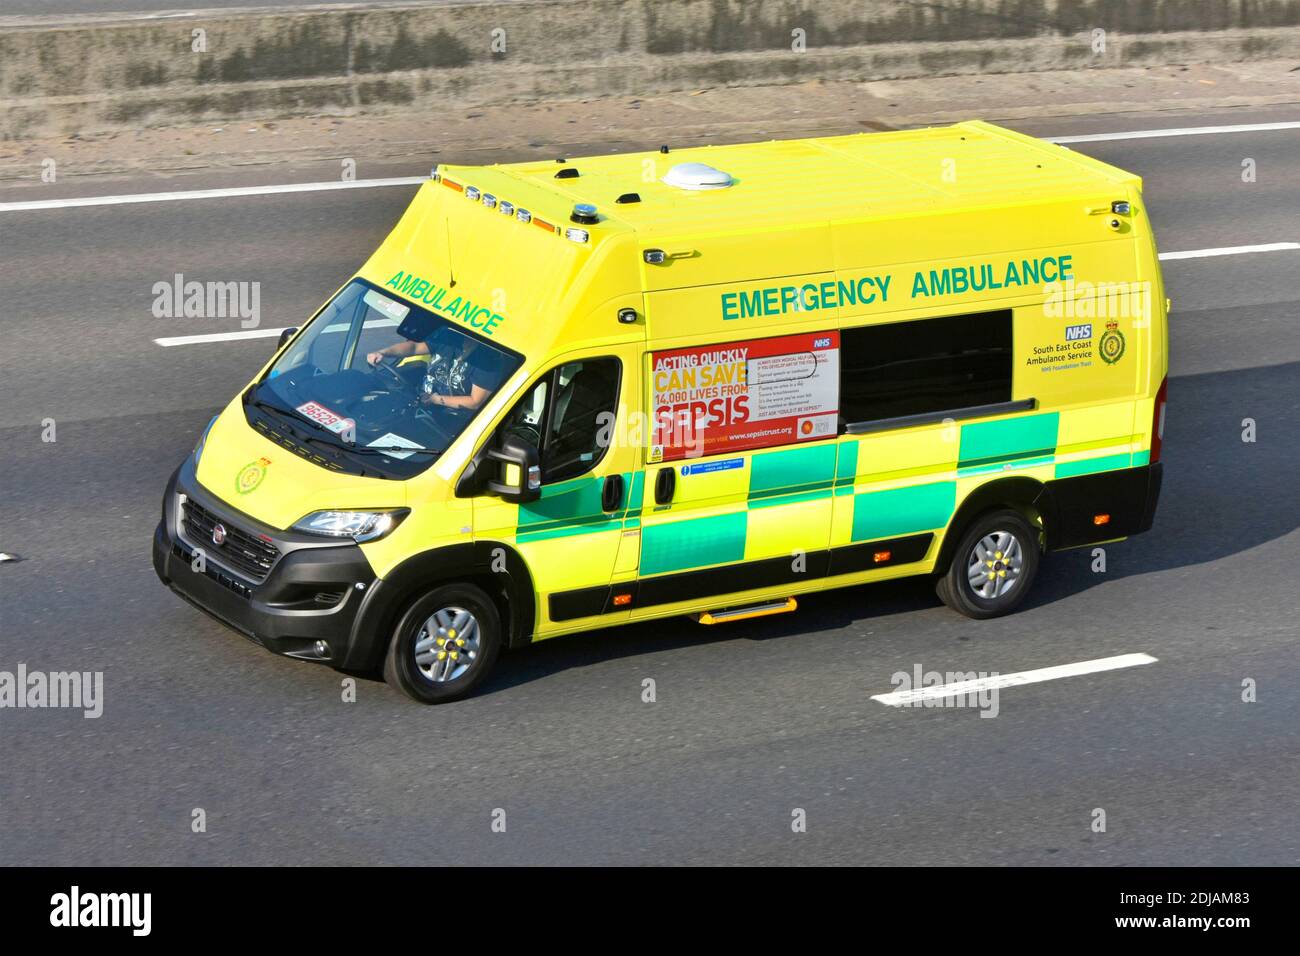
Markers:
point(285, 336)
point(521, 471)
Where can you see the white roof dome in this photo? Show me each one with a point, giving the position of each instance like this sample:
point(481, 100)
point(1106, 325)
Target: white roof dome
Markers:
point(697, 176)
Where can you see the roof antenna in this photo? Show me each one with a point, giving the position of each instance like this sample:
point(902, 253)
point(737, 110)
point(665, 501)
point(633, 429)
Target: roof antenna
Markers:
point(451, 275)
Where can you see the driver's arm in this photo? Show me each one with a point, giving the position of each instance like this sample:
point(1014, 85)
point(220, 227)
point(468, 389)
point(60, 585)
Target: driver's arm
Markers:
point(476, 397)
point(398, 350)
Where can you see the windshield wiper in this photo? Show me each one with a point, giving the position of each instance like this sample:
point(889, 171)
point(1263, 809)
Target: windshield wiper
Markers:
point(384, 449)
point(339, 448)
point(284, 419)
point(332, 443)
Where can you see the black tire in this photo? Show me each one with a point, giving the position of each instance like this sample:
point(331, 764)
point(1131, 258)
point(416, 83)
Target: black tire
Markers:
point(400, 666)
point(955, 588)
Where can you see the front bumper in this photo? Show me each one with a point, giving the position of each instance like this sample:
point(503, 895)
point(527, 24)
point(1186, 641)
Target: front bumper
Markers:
point(313, 592)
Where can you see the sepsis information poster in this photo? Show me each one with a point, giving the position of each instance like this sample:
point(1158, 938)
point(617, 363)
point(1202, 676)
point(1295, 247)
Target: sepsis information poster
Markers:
point(715, 399)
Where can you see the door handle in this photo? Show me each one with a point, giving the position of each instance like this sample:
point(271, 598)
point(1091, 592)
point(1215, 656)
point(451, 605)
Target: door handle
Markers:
point(611, 494)
point(665, 485)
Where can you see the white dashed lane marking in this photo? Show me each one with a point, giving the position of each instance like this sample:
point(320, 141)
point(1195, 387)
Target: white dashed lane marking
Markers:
point(961, 688)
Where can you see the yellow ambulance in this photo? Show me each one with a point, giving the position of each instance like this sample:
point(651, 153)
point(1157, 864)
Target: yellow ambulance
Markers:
point(570, 394)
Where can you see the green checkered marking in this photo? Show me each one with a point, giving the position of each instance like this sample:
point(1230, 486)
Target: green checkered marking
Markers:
point(694, 543)
point(574, 507)
point(798, 471)
point(899, 511)
point(989, 443)
point(846, 467)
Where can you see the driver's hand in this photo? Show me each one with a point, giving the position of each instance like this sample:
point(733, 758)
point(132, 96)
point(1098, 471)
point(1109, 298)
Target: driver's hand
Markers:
point(374, 358)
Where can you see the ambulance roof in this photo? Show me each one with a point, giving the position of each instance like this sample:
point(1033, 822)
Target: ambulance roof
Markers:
point(788, 182)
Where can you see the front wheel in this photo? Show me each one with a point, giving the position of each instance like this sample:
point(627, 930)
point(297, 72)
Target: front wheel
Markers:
point(993, 566)
point(444, 645)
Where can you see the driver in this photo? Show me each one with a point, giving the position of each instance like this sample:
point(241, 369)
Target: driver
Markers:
point(454, 379)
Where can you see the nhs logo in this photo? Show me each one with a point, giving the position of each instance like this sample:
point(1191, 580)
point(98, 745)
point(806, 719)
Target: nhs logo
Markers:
point(1075, 332)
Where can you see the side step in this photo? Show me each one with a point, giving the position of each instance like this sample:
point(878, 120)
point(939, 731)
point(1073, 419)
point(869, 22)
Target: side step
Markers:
point(748, 611)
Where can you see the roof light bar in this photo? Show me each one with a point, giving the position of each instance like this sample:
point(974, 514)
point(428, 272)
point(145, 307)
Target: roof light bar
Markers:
point(584, 213)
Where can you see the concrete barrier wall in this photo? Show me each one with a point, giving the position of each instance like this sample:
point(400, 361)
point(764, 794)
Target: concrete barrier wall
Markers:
point(65, 75)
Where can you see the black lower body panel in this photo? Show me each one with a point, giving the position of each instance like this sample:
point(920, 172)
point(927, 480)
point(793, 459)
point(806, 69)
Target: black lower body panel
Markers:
point(1073, 508)
point(741, 576)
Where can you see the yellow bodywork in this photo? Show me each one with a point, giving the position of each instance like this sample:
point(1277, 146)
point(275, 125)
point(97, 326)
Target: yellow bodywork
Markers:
point(861, 210)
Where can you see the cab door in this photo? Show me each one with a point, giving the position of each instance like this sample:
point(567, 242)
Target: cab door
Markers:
point(571, 537)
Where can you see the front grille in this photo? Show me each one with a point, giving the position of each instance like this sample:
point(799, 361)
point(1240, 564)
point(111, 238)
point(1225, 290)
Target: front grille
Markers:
point(215, 573)
point(245, 552)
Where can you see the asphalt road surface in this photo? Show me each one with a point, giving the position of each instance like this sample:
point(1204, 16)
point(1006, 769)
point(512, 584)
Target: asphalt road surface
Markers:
point(752, 720)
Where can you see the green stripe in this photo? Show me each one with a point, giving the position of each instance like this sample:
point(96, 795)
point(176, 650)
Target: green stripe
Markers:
point(676, 545)
point(560, 503)
point(1141, 458)
point(575, 507)
point(592, 525)
point(1001, 464)
point(1030, 436)
point(789, 499)
point(792, 470)
point(846, 465)
point(1088, 466)
point(757, 496)
point(899, 511)
point(634, 494)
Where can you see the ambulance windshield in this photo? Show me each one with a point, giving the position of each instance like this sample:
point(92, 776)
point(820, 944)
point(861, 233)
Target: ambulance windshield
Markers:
point(376, 385)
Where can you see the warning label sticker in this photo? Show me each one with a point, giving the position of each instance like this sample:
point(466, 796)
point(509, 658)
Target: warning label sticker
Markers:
point(715, 399)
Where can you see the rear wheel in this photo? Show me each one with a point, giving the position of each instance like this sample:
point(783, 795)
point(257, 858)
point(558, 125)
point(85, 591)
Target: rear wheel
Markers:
point(444, 645)
point(993, 566)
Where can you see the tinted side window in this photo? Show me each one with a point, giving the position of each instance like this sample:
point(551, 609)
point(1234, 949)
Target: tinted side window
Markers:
point(930, 365)
point(584, 396)
point(566, 416)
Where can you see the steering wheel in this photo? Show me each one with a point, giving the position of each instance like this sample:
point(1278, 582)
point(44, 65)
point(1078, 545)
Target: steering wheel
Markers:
point(530, 434)
point(392, 372)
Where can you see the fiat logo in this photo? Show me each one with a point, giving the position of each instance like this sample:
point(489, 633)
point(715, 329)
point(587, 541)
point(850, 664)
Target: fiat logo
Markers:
point(218, 534)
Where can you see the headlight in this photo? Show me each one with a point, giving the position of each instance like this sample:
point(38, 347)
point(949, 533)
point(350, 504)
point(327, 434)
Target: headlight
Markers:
point(360, 526)
point(203, 439)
